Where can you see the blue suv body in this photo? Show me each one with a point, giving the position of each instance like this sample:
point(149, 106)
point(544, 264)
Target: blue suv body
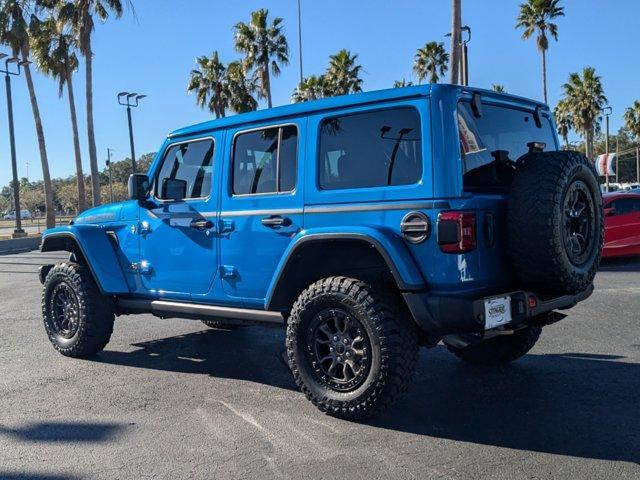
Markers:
point(400, 192)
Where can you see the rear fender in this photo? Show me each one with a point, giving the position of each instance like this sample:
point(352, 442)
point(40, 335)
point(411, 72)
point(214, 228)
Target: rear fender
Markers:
point(94, 245)
point(391, 247)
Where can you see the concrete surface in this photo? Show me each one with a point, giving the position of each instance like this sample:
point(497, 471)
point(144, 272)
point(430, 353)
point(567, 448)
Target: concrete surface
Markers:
point(174, 399)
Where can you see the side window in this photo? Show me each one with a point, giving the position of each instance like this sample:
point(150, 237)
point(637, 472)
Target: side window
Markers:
point(371, 149)
point(264, 161)
point(186, 171)
point(624, 206)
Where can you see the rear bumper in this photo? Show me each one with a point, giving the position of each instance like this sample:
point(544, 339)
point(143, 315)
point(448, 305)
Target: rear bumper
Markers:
point(443, 315)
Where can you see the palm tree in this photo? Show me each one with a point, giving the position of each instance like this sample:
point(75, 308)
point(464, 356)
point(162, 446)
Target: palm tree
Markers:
point(564, 122)
point(265, 48)
point(238, 89)
point(343, 74)
point(456, 37)
point(497, 87)
point(80, 14)
point(632, 119)
point(402, 83)
point(584, 98)
point(535, 17)
point(53, 49)
point(14, 32)
point(208, 82)
point(312, 87)
point(431, 60)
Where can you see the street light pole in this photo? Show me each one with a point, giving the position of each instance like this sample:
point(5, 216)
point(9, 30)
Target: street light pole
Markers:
point(463, 68)
point(607, 111)
point(18, 231)
point(109, 170)
point(130, 100)
point(300, 39)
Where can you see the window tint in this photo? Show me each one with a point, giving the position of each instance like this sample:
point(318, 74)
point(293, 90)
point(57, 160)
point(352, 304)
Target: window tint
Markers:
point(626, 205)
point(499, 129)
point(371, 149)
point(191, 165)
point(264, 161)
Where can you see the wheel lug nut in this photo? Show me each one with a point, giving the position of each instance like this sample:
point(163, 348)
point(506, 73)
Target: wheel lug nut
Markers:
point(345, 341)
point(331, 349)
point(335, 338)
point(348, 354)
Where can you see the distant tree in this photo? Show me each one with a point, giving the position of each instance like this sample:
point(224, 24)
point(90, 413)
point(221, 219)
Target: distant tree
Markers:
point(312, 87)
point(496, 87)
point(239, 89)
point(564, 121)
point(208, 83)
point(343, 74)
point(535, 18)
point(584, 98)
point(632, 119)
point(54, 50)
point(5, 204)
point(402, 83)
point(15, 16)
point(430, 62)
point(265, 47)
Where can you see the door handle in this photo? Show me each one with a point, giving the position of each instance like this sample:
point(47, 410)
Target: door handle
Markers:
point(201, 224)
point(275, 221)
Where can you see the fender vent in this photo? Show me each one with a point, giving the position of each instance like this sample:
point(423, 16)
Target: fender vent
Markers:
point(113, 239)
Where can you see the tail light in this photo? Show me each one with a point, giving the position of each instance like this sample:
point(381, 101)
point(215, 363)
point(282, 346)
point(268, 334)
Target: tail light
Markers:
point(457, 231)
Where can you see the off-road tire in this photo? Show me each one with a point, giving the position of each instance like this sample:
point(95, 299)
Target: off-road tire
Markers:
point(220, 324)
point(499, 350)
point(538, 225)
point(95, 313)
point(392, 338)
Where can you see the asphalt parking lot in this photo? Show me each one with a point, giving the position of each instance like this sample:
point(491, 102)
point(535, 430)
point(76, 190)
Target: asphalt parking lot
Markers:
point(174, 399)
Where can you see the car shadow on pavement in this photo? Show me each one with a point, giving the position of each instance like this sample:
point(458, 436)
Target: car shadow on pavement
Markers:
point(61, 432)
point(575, 404)
point(622, 264)
point(252, 354)
point(34, 476)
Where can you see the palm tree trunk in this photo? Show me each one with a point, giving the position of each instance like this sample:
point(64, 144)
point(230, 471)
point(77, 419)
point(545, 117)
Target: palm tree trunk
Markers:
point(93, 155)
point(456, 24)
point(82, 199)
point(544, 75)
point(589, 144)
point(46, 175)
point(267, 85)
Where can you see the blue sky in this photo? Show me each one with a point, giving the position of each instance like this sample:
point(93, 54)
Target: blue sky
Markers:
point(154, 53)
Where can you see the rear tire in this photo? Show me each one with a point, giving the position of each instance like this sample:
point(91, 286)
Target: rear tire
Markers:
point(499, 350)
point(77, 318)
point(555, 222)
point(350, 351)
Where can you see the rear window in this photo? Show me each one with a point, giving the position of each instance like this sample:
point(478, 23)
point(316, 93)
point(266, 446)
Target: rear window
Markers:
point(372, 149)
point(500, 132)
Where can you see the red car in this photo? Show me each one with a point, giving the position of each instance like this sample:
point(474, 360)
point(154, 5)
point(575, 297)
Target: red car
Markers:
point(621, 224)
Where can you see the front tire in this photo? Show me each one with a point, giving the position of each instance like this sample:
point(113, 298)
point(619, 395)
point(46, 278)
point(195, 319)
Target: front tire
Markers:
point(77, 318)
point(350, 351)
point(499, 350)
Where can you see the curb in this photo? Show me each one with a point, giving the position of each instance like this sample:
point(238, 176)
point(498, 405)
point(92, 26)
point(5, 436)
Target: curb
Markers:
point(20, 245)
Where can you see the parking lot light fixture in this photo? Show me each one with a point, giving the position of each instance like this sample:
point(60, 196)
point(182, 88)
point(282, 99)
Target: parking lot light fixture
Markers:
point(129, 100)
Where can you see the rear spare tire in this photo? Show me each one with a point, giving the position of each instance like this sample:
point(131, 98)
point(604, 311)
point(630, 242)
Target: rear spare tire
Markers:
point(555, 222)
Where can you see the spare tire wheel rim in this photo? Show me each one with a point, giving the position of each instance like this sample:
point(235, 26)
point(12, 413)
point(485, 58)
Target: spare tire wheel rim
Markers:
point(339, 349)
point(579, 223)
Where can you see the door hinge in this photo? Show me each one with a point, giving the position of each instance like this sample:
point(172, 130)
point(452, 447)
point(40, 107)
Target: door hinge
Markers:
point(228, 271)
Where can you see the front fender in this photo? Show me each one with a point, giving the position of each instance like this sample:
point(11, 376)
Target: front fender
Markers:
point(93, 243)
point(391, 247)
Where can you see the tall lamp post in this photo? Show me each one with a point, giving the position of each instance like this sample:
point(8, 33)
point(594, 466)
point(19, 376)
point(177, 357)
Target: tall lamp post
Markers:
point(130, 100)
point(300, 40)
point(18, 231)
point(607, 112)
point(463, 68)
point(109, 170)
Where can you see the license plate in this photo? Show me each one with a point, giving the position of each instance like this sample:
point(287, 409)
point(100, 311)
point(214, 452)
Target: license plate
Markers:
point(497, 311)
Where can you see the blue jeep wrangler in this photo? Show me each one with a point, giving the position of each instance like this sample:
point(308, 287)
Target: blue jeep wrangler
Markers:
point(367, 225)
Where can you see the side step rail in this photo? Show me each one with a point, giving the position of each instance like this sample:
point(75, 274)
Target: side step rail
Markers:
point(198, 311)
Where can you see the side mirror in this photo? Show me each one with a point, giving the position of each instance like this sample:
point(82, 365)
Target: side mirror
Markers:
point(609, 211)
point(173, 189)
point(138, 186)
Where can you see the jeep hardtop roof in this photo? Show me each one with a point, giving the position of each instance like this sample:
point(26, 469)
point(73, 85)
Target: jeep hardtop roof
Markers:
point(341, 101)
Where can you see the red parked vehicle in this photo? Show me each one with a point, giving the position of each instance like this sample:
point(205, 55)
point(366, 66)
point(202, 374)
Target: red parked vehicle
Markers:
point(621, 224)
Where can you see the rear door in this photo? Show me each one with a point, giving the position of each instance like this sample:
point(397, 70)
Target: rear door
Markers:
point(178, 243)
point(261, 207)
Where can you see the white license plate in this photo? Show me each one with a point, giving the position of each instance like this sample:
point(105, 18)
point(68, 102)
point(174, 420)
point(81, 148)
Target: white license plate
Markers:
point(497, 311)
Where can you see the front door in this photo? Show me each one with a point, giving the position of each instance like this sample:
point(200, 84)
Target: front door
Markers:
point(178, 243)
point(261, 208)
